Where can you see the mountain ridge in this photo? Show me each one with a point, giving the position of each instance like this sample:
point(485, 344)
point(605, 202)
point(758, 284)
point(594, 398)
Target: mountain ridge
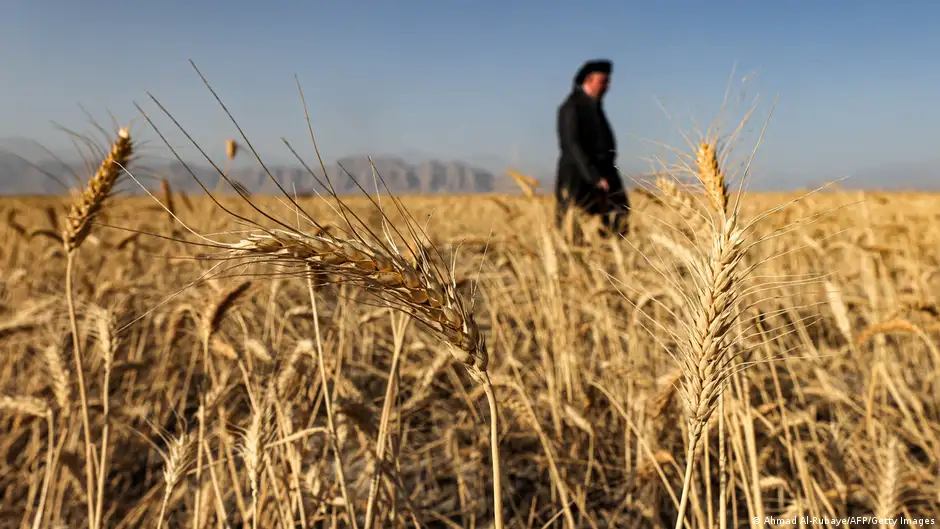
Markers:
point(26, 169)
point(21, 176)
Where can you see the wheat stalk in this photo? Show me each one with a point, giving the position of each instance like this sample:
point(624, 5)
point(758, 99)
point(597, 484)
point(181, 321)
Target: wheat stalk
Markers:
point(398, 332)
point(327, 400)
point(706, 356)
point(209, 322)
point(104, 328)
point(78, 227)
point(288, 372)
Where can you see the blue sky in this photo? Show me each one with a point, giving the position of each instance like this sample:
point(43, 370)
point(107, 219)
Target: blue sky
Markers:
point(857, 81)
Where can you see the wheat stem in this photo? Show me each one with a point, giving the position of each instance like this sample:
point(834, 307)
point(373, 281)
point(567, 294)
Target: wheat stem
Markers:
point(163, 504)
point(108, 353)
point(48, 474)
point(201, 417)
point(77, 354)
point(722, 467)
point(687, 480)
point(398, 332)
point(78, 226)
point(494, 452)
point(327, 400)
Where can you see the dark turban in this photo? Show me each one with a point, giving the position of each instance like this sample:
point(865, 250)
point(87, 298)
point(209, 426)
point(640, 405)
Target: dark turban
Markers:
point(597, 66)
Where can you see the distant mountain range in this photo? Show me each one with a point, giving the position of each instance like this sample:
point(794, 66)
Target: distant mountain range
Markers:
point(27, 169)
point(20, 174)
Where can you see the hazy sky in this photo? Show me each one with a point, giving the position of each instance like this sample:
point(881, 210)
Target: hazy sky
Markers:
point(858, 81)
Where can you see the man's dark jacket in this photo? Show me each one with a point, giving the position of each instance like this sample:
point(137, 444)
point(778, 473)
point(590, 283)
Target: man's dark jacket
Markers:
point(588, 153)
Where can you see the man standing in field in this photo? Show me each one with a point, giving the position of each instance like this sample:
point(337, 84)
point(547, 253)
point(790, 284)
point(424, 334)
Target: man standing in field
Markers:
point(587, 178)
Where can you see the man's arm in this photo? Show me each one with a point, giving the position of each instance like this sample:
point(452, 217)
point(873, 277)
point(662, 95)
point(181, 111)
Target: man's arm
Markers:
point(570, 141)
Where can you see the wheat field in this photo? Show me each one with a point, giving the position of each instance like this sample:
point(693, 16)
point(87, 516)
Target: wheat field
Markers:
point(682, 376)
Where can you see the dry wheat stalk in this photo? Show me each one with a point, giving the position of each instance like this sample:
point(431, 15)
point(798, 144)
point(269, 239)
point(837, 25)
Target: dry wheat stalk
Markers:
point(258, 350)
point(104, 328)
point(209, 323)
point(287, 373)
point(220, 347)
point(78, 227)
point(840, 311)
point(706, 356)
point(217, 310)
point(333, 436)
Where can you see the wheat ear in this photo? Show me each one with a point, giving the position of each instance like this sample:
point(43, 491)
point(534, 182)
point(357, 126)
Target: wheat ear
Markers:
point(412, 288)
point(58, 379)
point(888, 501)
point(682, 203)
point(254, 440)
point(176, 462)
point(398, 339)
point(100, 187)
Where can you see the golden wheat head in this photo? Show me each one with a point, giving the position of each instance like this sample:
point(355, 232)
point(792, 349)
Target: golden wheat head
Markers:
point(708, 353)
point(710, 175)
point(413, 288)
point(98, 190)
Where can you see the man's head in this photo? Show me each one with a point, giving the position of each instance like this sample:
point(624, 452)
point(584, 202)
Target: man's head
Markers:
point(594, 78)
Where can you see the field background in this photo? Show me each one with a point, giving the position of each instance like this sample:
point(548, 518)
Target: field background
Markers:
point(838, 413)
